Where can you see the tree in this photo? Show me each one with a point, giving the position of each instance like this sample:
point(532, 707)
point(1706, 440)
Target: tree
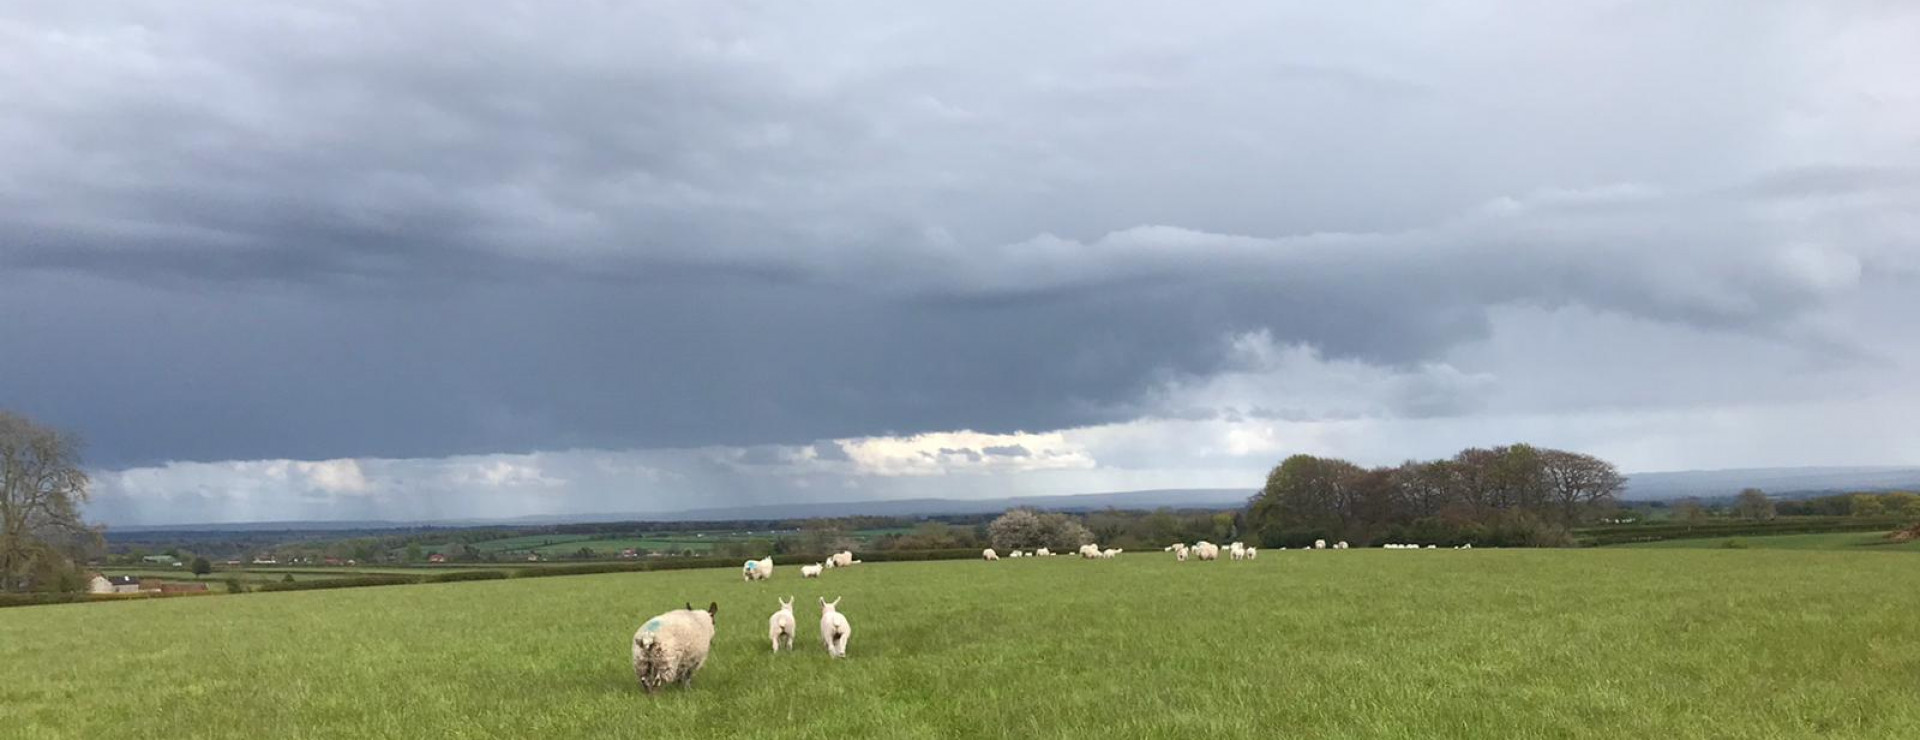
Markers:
point(1021, 529)
point(1580, 486)
point(1867, 505)
point(1689, 510)
point(413, 552)
point(202, 567)
point(41, 489)
point(1753, 504)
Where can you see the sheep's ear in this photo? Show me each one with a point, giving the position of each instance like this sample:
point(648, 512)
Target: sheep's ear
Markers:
point(713, 607)
point(836, 601)
point(689, 606)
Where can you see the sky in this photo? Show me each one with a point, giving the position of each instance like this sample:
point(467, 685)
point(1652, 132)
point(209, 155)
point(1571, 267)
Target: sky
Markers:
point(426, 260)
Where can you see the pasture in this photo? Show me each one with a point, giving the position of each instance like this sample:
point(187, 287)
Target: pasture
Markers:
point(1358, 643)
point(1857, 541)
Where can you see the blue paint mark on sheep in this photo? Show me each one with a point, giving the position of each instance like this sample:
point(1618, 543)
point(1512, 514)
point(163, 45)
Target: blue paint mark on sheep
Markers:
point(653, 626)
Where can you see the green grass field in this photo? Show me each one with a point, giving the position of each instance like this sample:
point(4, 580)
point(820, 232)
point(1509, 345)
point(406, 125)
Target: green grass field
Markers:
point(1364, 643)
point(1858, 541)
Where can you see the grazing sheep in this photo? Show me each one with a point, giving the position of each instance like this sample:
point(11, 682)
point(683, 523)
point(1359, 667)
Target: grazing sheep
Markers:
point(989, 554)
point(1089, 551)
point(1014, 554)
point(1467, 546)
point(1253, 552)
point(834, 629)
point(1043, 553)
point(1206, 550)
point(1108, 553)
point(1431, 546)
point(672, 647)
point(813, 571)
point(757, 570)
point(781, 625)
point(1179, 550)
point(844, 558)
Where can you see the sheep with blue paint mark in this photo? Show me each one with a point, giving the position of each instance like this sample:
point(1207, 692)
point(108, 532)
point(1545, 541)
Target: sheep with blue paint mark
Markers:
point(757, 570)
point(672, 647)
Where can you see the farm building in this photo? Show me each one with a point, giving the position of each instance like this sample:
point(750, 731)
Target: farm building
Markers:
point(100, 584)
point(436, 558)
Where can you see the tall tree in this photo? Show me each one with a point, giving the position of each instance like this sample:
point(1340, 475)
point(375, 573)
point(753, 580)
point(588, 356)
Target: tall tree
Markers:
point(1579, 486)
point(41, 489)
point(1753, 504)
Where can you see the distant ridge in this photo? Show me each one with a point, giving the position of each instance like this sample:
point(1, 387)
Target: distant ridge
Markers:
point(1176, 498)
point(1777, 482)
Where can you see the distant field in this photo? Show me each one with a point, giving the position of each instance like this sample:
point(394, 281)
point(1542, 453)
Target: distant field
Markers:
point(700, 542)
point(1603, 643)
point(1859, 541)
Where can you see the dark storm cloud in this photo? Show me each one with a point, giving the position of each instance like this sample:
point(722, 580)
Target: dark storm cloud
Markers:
point(254, 231)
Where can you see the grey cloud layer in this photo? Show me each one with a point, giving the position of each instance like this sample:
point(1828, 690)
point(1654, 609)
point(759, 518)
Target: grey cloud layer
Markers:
point(402, 230)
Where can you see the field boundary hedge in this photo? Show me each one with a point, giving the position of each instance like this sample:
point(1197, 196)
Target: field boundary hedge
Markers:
point(1625, 534)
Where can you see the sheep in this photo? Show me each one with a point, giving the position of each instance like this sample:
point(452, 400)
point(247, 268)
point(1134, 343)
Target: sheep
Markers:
point(1467, 546)
point(1206, 550)
point(813, 571)
point(1014, 554)
point(672, 647)
point(1341, 545)
point(1319, 544)
point(1089, 551)
point(1043, 553)
point(1253, 552)
point(989, 554)
point(834, 629)
point(844, 558)
point(1238, 550)
point(829, 562)
point(757, 570)
point(1179, 550)
point(1108, 553)
point(781, 625)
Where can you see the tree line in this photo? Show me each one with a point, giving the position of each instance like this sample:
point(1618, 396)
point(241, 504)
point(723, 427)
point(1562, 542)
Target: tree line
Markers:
point(1514, 495)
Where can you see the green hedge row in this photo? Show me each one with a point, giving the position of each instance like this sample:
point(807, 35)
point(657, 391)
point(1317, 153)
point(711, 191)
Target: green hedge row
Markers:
point(1699, 530)
point(350, 582)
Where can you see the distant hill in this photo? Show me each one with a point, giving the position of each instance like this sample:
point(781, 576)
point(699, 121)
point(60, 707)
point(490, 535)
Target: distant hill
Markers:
point(1177, 498)
point(1777, 482)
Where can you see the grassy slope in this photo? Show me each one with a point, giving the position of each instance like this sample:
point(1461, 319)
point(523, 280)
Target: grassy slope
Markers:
point(1484, 643)
point(1862, 541)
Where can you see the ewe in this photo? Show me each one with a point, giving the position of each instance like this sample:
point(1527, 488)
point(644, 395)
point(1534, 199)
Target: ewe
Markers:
point(781, 624)
point(989, 554)
point(757, 570)
point(834, 629)
point(813, 571)
point(844, 558)
point(672, 647)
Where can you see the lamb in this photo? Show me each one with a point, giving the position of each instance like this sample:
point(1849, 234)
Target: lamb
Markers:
point(781, 625)
point(834, 629)
point(813, 571)
point(844, 558)
point(1238, 550)
point(1253, 552)
point(989, 554)
point(1043, 553)
point(757, 570)
point(1319, 544)
point(1089, 551)
point(1179, 550)
point(1108, 553)
point(672, 647)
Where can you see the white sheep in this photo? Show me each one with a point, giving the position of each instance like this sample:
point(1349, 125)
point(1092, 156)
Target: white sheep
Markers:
point(1253, 552)
point(844, 558)
point(757, 570)
point(1319, 544)
point(1205, 550)
point(1237, 550)
point(1108, 553)
point(1014, 554)
point(781, 625)
point(1341, 545)
point(1043, 553)
point(834, 629)
point(672, 647)
point(1179, 550)
point(989, 554)
point(829, 562)
point(813, 571)
point(1089, 551)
